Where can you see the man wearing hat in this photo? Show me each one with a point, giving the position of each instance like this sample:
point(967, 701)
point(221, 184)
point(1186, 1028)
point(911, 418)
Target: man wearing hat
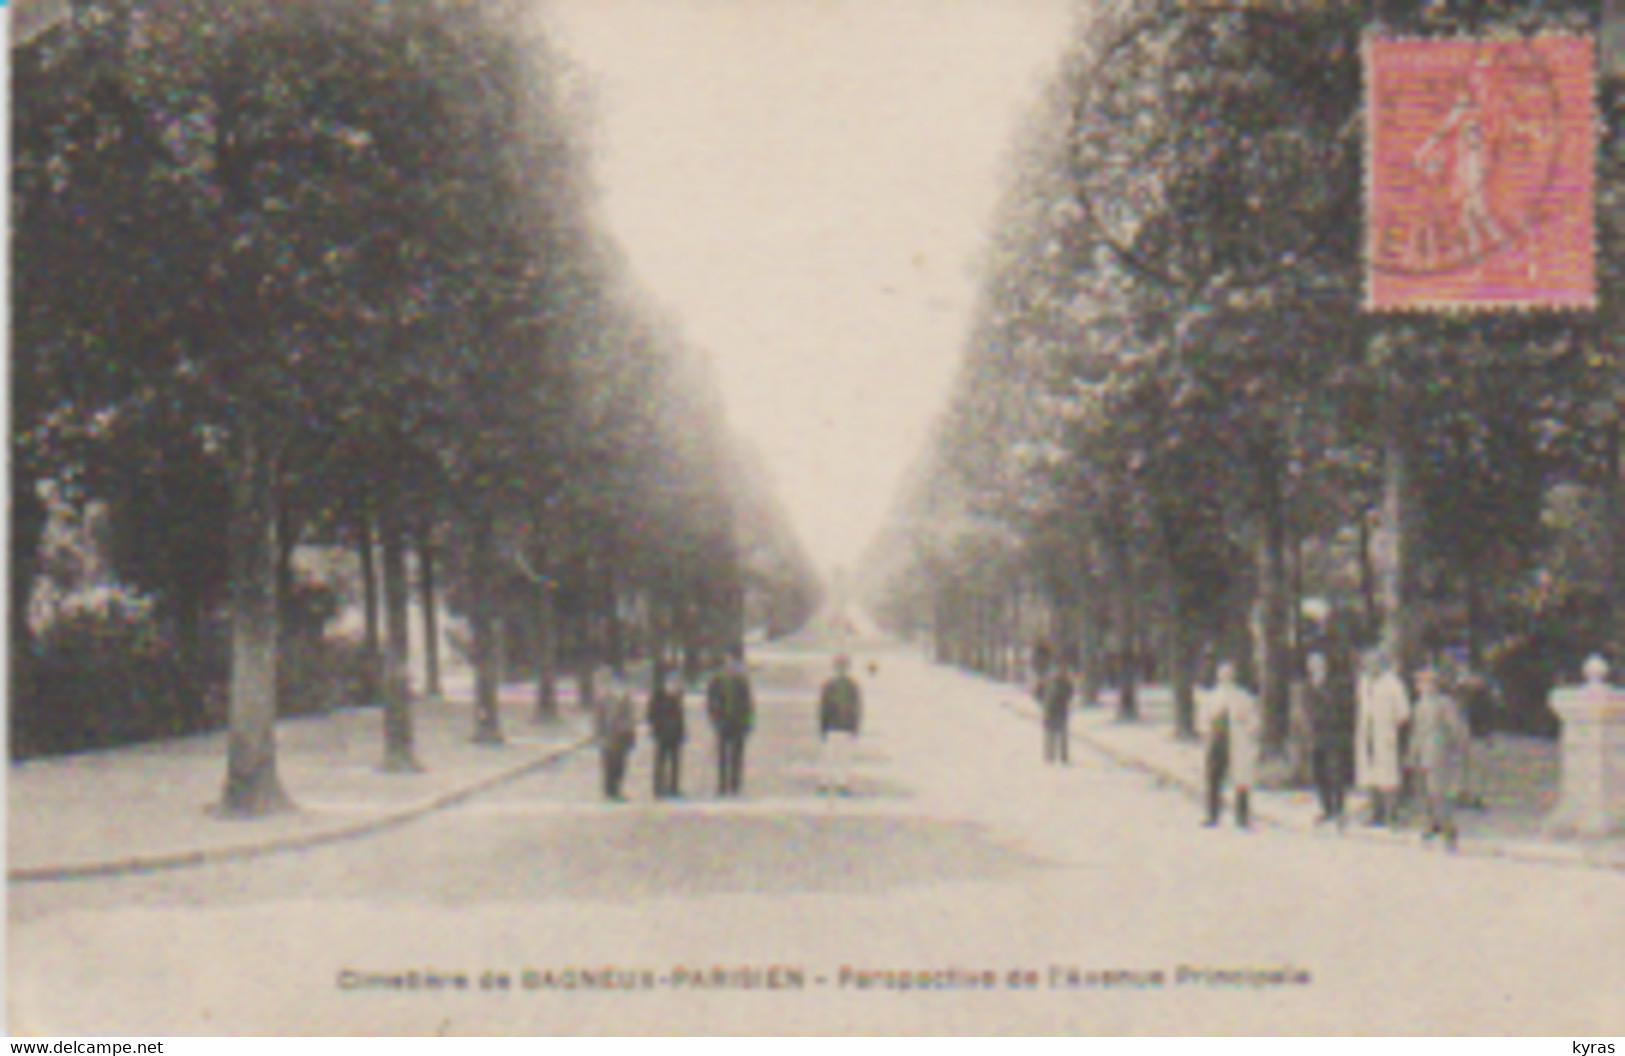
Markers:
point(1439, 735)
point(840, 714)
point(732, 711)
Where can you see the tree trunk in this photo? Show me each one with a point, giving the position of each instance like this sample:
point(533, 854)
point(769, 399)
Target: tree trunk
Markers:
point(1368, 579)
point(939, 627)
point(1181, 662)
point(28, 520)
point(967, 615)
point(1276, 676)
point(984, 658)
point(1064, 631)
point(1019, 634)
point(547, 653)
point(691, 661)
point(252, 787)
point(614, 631)
point(1240, 634)
point(372, 662)
point(586, 658)
point(998, 623)
point(660, 646)
point(1296, 597)
point(988, 637)
point(1015, 635)
point(1093, 630)
point(189, 622)
point(964, 613)
point(1473, 589)
point(1397, 527)
point(1614, 508)
point(586, 685)
point(431, 615)
point(398, 748)
point(286, 539)
point(1128, 702)
point(959, 615)
point(486, 627)
point(965, 629)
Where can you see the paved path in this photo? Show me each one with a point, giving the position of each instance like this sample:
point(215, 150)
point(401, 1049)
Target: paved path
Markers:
point(1515, 778)
point(148, 806)
point(962, 854)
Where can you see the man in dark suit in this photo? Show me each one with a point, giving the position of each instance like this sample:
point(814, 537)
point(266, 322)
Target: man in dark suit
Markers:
point(840, 715)
point(667, 723)
point(1331, 723)
point(732, 711)
point(1055, 692)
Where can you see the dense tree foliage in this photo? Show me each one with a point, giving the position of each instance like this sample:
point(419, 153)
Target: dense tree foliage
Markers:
point(332, 273)
point(1215, 451)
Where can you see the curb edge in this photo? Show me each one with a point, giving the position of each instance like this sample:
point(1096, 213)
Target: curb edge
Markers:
point(1539, 854)
point(234, 852)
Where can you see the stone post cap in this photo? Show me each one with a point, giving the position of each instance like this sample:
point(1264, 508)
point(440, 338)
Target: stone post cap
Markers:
point(1594, 694)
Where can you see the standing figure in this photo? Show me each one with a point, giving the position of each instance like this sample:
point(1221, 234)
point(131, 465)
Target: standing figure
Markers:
point(1331, 732)
point(1231, 722)
point(732, 711)
point(840, 714)
point(666, 722)
point(1466, 175)
point(617, 736)
point(1439, 736)
point(1384, 709)
point(1055, 692)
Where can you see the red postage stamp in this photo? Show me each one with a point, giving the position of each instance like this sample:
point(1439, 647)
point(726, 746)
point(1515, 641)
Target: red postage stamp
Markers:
point(1479, 174)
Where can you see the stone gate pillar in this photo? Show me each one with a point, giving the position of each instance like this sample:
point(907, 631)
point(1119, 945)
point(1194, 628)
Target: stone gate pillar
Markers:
point(1593, 756)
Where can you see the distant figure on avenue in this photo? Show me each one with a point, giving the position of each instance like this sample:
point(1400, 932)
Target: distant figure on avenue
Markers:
point(667, 724)
point(1331, 735)
point(732, 711)
point(1384, 709)
point(840, 715)
point(1055, 691)
point(617, 736)
point(1230, 721)
point(1439, 735)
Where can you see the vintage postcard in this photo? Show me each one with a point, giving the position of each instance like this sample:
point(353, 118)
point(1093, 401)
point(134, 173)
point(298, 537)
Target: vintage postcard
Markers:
point(719, 517)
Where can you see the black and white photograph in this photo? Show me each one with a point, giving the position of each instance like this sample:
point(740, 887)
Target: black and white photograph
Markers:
point(816, 518)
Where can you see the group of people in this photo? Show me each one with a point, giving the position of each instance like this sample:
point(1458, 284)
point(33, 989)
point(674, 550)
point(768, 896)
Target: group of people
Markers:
point(1433, 730)
point(1381, 730)
point(730, 706)
point(1395, 743)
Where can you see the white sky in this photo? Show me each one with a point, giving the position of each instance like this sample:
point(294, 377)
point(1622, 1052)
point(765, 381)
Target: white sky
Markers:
point(805, 183)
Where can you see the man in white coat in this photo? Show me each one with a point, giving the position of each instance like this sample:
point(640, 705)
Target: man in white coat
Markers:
point(1230, 721)
point(1384, 709)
